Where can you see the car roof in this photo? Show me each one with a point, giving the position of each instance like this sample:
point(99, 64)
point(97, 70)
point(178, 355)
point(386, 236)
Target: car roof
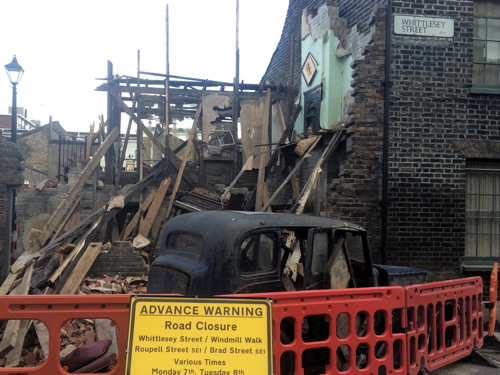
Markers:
point(236, 222)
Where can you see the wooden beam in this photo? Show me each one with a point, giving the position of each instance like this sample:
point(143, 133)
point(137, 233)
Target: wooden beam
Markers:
point(109, 154)
point(90, 137)
point(79, 245)
point(135, 220)
point(61, 210)
point(81, 269)
point(289, 177)
point(259, 199)
point(4, 289)
point(246, 167)
point(140, 167)
point(150, 135)
point(184, 160)
point(11, 330)
point(124, 150)
point(65, 221)
point(334, 141)
point(14, 356)
point(275, 154)
point(128, 196)
point(153, 209)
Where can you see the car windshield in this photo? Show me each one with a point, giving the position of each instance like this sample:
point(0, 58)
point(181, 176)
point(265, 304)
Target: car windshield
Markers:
point(187, 242)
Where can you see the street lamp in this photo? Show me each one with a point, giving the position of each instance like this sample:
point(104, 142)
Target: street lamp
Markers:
point(15, 72)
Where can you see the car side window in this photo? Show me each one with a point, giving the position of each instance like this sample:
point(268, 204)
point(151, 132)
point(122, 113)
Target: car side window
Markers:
point(257, 254)
point(320, 252)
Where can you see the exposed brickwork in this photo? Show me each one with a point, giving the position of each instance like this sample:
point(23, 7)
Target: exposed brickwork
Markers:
point(11, 177)
point(355, 194)
point(35, 147)
point(357, 12)
point(120, 259)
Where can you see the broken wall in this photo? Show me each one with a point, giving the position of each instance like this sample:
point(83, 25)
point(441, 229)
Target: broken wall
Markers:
point(324, 35)
point(350, 40)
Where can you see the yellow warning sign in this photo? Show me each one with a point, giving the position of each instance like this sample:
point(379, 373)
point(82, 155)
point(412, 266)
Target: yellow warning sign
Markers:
point(199, 336)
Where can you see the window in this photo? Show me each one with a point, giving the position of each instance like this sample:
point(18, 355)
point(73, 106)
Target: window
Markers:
point(188, 242)
point(486, 76)
point(320, 252)
point(257, 254)
point(482, 218)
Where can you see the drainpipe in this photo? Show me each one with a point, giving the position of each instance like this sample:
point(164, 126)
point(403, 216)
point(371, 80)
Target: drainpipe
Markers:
point(385, 146)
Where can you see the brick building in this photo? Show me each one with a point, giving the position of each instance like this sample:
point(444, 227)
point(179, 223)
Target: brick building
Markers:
point(417, 84)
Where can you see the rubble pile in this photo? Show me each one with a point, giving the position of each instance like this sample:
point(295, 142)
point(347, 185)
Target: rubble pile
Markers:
point(74, 333)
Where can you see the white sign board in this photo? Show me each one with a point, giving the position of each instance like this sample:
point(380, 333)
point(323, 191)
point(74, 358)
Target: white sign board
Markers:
point(424, 26)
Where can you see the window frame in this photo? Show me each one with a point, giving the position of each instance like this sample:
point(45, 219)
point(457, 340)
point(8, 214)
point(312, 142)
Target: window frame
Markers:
point(478, 88)
point(474, 200)
point(241, 251)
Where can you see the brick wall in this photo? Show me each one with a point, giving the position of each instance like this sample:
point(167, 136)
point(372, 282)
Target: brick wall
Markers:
point(10, 178)
point(355, 192)
point(35, 148)
point(430, 107)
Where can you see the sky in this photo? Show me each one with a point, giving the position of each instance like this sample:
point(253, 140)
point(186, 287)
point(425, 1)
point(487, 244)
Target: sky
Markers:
point(64, 45)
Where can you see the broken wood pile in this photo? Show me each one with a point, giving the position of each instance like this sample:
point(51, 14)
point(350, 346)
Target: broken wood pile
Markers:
point(75, 333)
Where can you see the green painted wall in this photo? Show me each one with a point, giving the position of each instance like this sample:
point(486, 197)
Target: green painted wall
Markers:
point(335, 74)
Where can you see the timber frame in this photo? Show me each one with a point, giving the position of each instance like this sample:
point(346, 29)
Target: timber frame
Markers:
point(147, 95)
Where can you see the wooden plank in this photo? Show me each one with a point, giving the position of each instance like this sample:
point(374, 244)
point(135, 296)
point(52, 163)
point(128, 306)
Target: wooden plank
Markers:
point(155, 206)
point(81, 269)
point(41, 185)
point(65, 221)
point(76, 250)
point(290, 176)
point(43, 275)
point(184, 160)
point(10, 333)
point(4, 289)
point(124, 148)
point(246, 167)
point(42, 332)
point(281, 118)
point(306, 191)
point(135, 220)
point(128, 196)
point(61, 210)
point(259, 198)
point(90, 137)
point(14, 356)
point(275, 154)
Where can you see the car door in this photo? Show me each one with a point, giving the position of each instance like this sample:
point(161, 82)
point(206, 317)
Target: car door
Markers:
point(258, 263)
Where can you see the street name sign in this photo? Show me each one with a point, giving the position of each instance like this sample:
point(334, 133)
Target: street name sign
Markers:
point(424, 26)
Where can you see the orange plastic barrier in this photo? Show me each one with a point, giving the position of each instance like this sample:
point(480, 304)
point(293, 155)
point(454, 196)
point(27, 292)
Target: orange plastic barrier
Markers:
point(54, 311)
point(492, 318)
point(381, 330)
point(364, 331)
point(445, 322)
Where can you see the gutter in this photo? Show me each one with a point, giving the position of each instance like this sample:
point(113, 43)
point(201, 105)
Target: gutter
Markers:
point(384, 203)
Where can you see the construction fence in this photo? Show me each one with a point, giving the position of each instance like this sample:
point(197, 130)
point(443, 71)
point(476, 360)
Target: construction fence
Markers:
point(382, 330)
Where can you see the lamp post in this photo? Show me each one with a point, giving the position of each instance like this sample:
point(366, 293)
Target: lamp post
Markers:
point(15, 72)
